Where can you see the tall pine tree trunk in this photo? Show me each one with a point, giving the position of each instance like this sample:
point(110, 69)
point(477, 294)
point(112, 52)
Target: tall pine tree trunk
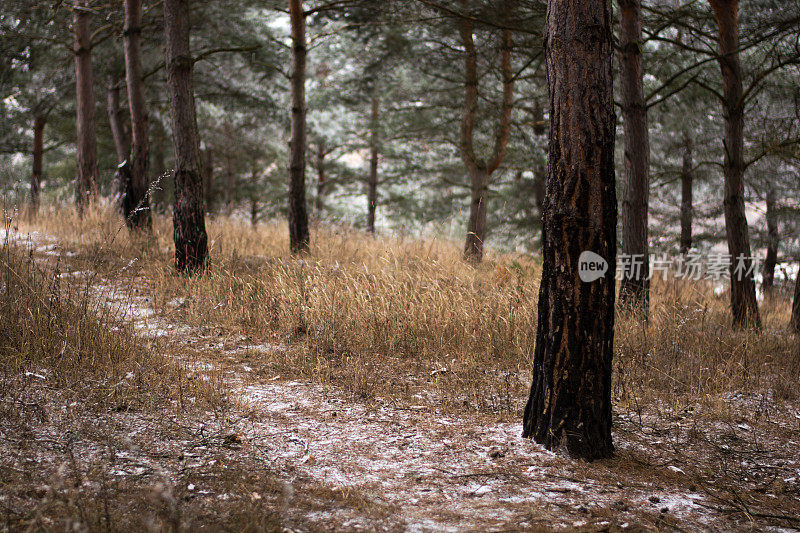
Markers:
point(191, 241)
point(299, 239)
point(121, 143)
point(772, 242)
point(744, 305)
point(570, 399)
point(480, 171)
point(635, 286)
point(208, 179)
point(86, 178)
point(476, 226)
point(687, 191)
point(372, 183)
point(136, 203)
point(120, 138)
point(38, 157)
point(322, 179)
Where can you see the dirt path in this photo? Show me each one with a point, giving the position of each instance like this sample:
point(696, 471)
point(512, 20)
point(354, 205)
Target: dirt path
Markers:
point(406, 467)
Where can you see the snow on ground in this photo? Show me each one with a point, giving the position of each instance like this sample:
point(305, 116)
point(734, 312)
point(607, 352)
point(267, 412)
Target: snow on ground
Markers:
point(436, 472)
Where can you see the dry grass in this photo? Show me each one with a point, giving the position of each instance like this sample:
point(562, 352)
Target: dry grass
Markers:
point(404, 320)
point(409, 319)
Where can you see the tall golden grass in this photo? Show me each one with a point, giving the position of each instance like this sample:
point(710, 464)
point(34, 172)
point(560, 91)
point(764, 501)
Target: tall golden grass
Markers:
point(408, 319)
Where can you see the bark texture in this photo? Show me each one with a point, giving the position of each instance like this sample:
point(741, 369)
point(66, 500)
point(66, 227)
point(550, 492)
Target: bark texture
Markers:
point(372, 183)
point(570, 400)
point(772, 242)
point(322, 178)
point(135, 202)
point(38, 158)
point(744, 305)
point(687, 192)
point(635, 285)
point(480, 170)
point(299, 239)
point(86, 176)
point(191, 241)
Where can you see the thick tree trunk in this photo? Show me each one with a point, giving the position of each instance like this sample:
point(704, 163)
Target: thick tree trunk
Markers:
point(38, 157)
point(635, 285)
point(85, 180)
point(372, 183)
point(772, 242)
point(136, 203)
point(191, 241)
point(687, 190)
point(299, 239)
point(744, 305)
point(570, 401)
point(795, 323)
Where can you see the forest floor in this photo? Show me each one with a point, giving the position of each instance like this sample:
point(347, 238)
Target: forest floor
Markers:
point(269, 449)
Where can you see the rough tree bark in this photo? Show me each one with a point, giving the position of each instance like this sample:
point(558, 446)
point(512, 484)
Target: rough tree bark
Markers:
point(744, 305)
point(299, 239)
point(687, 191)
point(39, 123)
point(480, 171)
point(772, 242)
point(191, 241)
point(570, 400)
point(372, 182)
point(86, 176)
point(135, 202)
point(635, 286)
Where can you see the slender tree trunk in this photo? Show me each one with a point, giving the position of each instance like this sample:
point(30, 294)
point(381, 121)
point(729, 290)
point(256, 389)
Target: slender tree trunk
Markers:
point(744, 305)
point(38, 157)
point(570, 401)
point(159, 168)
point(795, 323)
point(299, 239)
point(118, 134)
point(372, 183)
point(208, 176)
point(772, 242)
point(86, 178)
point(635, 286)
point(476, 226)
point(136, 203)
point(191, 241)
point(687, 202)
point(121, 143)
point(322, 179)
point(480, 171)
